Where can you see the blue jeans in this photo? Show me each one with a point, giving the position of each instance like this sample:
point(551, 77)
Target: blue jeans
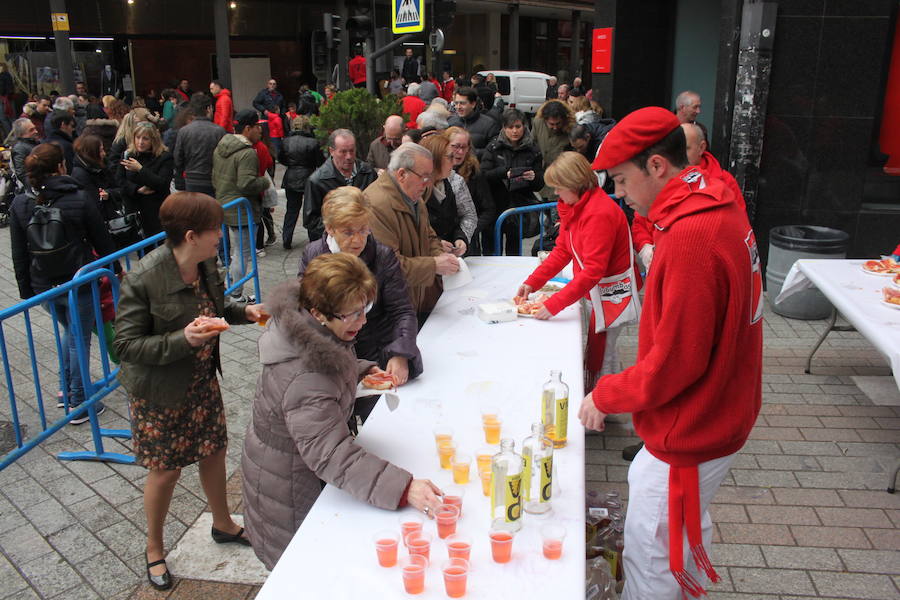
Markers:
point(74, 386)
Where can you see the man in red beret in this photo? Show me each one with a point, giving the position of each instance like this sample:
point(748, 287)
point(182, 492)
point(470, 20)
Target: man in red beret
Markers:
point(696, 388)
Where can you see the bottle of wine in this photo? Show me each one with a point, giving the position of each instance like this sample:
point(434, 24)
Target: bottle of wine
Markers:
point(555, 409)
point(537, 450)
point(506, 487)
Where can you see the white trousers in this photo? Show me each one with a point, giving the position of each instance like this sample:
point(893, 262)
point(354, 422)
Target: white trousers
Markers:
point(646, 553)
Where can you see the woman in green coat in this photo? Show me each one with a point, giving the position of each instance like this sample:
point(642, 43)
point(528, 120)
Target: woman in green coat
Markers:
point(167, 337)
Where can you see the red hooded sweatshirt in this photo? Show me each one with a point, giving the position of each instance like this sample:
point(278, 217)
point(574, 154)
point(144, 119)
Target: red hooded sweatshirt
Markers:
point(223, 114)
point(696, 388)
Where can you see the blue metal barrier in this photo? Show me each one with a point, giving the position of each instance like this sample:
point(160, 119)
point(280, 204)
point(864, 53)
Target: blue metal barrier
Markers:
point(498, 233)
point(94, 390)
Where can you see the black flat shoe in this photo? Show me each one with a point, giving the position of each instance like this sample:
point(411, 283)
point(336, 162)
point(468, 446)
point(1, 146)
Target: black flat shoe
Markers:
point(629, 452)
point(160, 582)
point(220, 537)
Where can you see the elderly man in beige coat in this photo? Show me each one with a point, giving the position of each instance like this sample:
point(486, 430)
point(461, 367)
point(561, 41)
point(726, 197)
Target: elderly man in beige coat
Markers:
point(400, 220)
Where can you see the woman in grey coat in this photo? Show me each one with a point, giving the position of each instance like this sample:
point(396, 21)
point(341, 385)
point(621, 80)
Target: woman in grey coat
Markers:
point(298, 435)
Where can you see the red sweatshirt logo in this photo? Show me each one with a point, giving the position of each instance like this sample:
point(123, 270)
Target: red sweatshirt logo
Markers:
point(756, 286)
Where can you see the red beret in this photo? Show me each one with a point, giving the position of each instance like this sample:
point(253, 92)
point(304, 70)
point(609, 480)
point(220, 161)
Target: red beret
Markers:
point(634, 134)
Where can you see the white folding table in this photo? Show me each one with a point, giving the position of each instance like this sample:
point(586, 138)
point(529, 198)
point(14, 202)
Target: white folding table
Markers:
point(468, 363)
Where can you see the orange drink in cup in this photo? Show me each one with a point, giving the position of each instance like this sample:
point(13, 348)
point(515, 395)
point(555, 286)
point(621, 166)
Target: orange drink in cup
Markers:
point(263, 317)
point(460, 464)
point(386, 543)
point(446, 517)
point(412, 568)
point(410, 523)
point(483, 458)
point(490, 421)
point(456, 572)
point(459, 546)
point(501, 545)
point(453, 494)
point(485, 482)
point(552, 537)
point(442, 434)
point(419, 542)
point(446, 450)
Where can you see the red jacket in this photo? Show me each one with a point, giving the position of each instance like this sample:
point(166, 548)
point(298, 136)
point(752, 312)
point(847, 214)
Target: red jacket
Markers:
point(447, 89)
point(412, 105)
point(357, 69)
point(696, 389)
point(599, 233)
point(641, 232)
point(276, 125)
point(223, 114)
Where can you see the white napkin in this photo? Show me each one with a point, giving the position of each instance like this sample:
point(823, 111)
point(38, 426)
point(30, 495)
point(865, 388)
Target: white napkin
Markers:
point(391, 396)
point(794, 282)
point(458, 279)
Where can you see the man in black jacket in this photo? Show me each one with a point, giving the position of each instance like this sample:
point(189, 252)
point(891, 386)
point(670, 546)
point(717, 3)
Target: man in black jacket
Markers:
point(410, 71)
point(26, 139)
point(482, 128)
point(302, 155)
point(63, 125)
point(195, 145)
point(269, 100)
point(343, 168)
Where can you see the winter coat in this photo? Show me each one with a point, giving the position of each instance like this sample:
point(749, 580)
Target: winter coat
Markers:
point(322, 181)
point(301, 154)
point(223, 114)
point(236, 175)
point(86, 229)
point(416, 245)
point(91, 178)
point(482, 129)
point(194, 147)
point(499, 157)
point(412, 106)
point(391, 327)
point(298, 434)
point(428, 91)
point(64, 141)
point(269, 101)
point(105, 129)
point(356, 70)
point(155, 305)
point(486, 95)
point(447, 90)
point(117, 151)
point(443, 214)
point(480, 193)
point(598, 129)
point(20, 151)
point(552, 143)
point(379, 155)
point(410, 69)
point(156, 174)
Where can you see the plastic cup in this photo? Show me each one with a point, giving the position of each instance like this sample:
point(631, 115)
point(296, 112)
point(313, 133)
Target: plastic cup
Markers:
point(456, 572)
point(412, 568)
point(386, 543)
point(485, 482)
point(446, 516)
point(442, 434)
point(483, 457)
point(552, 537)
point(263, 318)
point(459, 546)
point(446, 450)
point(419, 542)
point(453, 494)
point(490, 421)
point(461, 464)
point(501, 545)
point(410, 523)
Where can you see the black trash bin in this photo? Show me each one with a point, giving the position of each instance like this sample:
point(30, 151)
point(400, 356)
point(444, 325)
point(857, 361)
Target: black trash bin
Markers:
point(789, 243)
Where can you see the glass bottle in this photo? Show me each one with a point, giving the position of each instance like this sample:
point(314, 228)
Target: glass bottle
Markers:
point(537, 486)
point(555, 409)
point(506, 487)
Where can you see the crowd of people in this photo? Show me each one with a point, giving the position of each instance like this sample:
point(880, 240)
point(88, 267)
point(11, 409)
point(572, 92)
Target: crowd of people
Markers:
point(383, 231)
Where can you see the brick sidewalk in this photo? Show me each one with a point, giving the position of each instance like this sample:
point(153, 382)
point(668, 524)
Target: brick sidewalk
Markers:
point(803, 513)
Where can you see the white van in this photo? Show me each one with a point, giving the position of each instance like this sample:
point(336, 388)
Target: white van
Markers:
point(525, 90)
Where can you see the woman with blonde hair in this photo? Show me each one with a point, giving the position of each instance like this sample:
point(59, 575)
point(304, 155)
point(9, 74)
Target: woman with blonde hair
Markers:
point(298, 436)
point(145, 173)
point(453, 218)
point(125, 133)
point(389, 335)
point(467, 179)
point(594, 236)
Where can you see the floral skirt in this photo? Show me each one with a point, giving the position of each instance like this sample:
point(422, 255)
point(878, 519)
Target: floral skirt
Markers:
point(178, 436)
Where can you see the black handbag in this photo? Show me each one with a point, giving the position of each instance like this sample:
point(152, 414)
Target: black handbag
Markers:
point(125, 227)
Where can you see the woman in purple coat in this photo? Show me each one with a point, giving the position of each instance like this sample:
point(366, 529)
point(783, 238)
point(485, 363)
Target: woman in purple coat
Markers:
point(389, 336)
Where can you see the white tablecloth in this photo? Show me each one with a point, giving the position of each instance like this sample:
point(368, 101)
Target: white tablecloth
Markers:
point(857, 296)
point(332, 555)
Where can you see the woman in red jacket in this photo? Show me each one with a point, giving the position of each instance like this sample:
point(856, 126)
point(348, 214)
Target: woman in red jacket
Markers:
point(594, 235)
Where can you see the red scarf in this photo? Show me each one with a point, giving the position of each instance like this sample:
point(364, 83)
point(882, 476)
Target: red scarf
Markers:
point(684, 512)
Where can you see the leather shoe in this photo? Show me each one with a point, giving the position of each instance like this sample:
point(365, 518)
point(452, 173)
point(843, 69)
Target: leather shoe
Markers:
point(160, 582)
point(629, 452)
point(221, 537)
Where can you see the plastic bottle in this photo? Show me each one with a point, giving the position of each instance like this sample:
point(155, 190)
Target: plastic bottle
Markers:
point(611, 542)
point(537, 485)
point(555, 409)
point(506, 487)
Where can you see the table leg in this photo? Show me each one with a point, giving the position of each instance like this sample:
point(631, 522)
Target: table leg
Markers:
point(831, 321)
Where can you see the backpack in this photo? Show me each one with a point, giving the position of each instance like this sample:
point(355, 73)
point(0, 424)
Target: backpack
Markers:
point(56, 251)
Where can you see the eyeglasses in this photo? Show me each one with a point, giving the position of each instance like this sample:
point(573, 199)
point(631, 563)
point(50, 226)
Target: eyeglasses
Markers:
point(459, 147)
point(349, 233)
point(424, 178)
point(355, 315)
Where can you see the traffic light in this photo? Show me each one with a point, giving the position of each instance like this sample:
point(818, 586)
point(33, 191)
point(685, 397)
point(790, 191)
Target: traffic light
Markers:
point(332, 26)
point(444, 11)
point(359, 26)
point(320, 53)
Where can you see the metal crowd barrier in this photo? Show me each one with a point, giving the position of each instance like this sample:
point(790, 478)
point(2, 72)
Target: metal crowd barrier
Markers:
point(94, 389)
point(520, 210)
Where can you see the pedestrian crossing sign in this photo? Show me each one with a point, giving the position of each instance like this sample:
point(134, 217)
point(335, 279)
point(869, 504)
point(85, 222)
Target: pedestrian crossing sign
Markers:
point(407, 16)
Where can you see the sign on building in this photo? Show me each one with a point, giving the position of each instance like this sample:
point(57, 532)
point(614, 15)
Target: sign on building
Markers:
point(407, 16)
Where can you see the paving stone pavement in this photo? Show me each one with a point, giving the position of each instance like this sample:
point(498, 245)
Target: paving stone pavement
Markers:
point(803, 513)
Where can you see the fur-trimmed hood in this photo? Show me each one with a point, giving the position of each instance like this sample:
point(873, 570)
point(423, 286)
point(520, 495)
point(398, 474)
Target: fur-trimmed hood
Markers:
point(293, 333)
